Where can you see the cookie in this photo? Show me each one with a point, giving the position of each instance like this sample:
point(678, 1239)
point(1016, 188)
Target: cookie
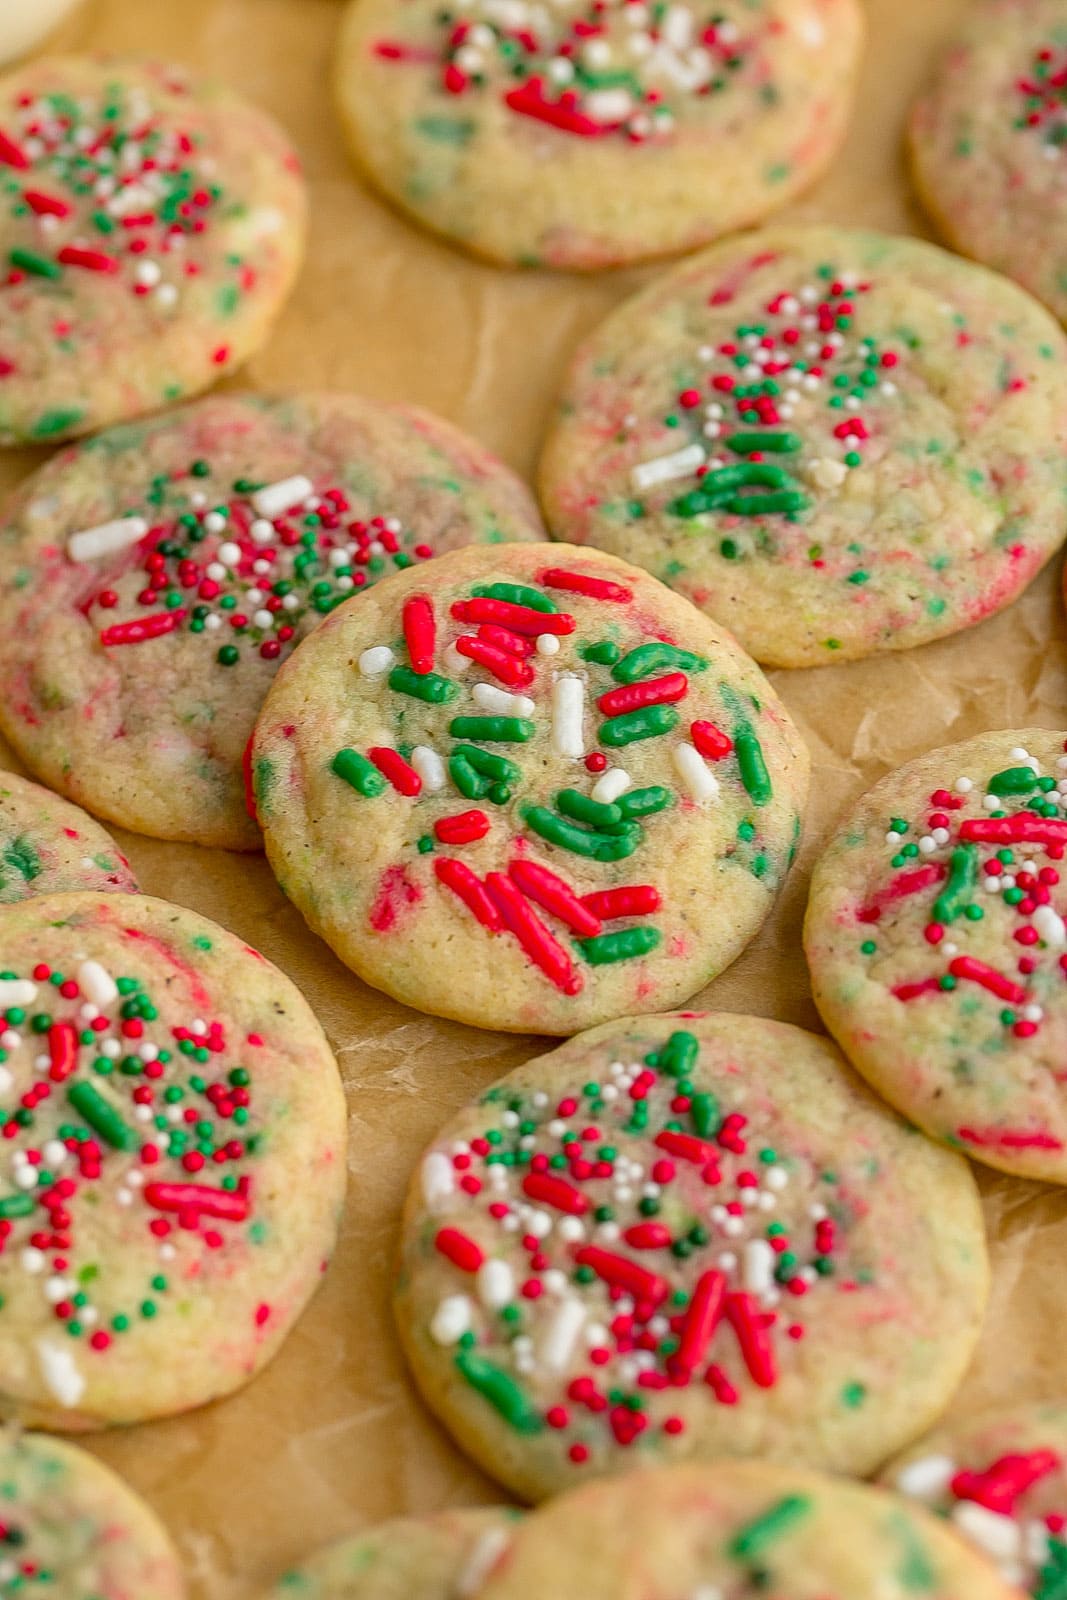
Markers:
point(833, 442)
point(540, 768)
point(153, 578)
point(71, 1529)
point(986, 143)
point(585, 136)
point(1001, 1479)
point(151, 227)
point(24, 23)
point(685, 1237)
point(733, 1530)
point(164, 1094)
point(442, 1557)
point(48, 846)
point(937, 946)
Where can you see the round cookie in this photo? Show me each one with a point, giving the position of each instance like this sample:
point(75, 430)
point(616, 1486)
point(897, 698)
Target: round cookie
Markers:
point(834, 442)
point(72, 1529)
point(443, 1557)
point(549, 134)
point(48, 846)
point(25, 23)
point(151, 227)
point(735, 1530)
point(1001, 1477)
point(986, 142)
point(152, 579)
point(542, 769)
point(164, 1094)
point(935, 935)
point(684, 1237)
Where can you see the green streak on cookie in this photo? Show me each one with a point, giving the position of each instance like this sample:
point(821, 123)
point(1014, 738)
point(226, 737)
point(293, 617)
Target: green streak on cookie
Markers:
point(56, 421)
point(1013, 780)
point(916, 1570)
point(21, 855)
point(649, 723)
point(228, 299)
point(361, 774)
point(754, 1539)
point(445, 130)
point(658, 657)
point(263, 777)
point(608, 947)
point(515, 594)
point(962, 876)
point(102, 1117)
point(754, 774)
point(501, 1391)
point(428, 686)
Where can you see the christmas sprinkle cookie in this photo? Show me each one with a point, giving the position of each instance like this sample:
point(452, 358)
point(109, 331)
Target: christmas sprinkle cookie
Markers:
point(540, 768)
point(48, 846)
point(72, 1530)
point(988, 143)
point(684, 1237)
point(152, 580)
point(1001, 1479)
point(150, 229)
point(443, 1557)
point(547, 133)
point(738, 1531)
point(833, 442)
point(164, 1092)
point(937, 944)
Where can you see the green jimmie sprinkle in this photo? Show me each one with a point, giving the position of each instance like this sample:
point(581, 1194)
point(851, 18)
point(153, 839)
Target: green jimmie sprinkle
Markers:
point(608, 947)
point(658, 656)
point(648, 723)
point(516, 594)
point(615, 846)
point(500, 1390)
point(361, 774)
point(962, 877)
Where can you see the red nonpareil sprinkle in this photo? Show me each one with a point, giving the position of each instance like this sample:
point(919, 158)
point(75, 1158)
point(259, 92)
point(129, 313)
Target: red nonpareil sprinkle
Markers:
point(520, 619)
point(582, 583)
point(634, 900)
point(460, 1249)
point(391, 764)
point(195, 1198)
point(702, 1317)
point(75, 255)
point(711, 742)
point(652, 692)
point(556, 896)
point(974, 971)
point(137, 631)
point(468, 887)
point(420, 635)
point(62, 1050)
point(556, 1192)
point(521, 920)
point(743, 1313)
point(510, 670)
point(622, 1273)
point(464, 828)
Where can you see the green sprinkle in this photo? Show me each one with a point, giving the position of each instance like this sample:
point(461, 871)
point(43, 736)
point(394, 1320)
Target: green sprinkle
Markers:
point(499, 730)
point(764, 1530)
point(489, 764)
point(679, 1055)
point(608, 947)
point(584, 809)
point(648, 723)
point(568, 836)
point(704, 1110)
point(39, 266)
point(361, 774)
point(962, 876)
point(605, 652)
point(638, 803)
point(778, 443)
point(647, 659)
point(1013, 780)
point(49, 423)
point(501, 1391)
point(17, 1205)
point(428, 686)
point(102, 1117)
point(516, 594)
point(754, 774)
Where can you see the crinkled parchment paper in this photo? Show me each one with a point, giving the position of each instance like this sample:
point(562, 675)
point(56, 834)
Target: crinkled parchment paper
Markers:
point(331, 1437)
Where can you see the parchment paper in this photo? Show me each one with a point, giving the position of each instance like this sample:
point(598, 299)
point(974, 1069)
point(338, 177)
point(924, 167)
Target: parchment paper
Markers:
point(331, 1437)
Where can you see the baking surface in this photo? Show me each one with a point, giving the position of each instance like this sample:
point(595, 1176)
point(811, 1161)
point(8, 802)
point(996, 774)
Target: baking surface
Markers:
point(332, 1437)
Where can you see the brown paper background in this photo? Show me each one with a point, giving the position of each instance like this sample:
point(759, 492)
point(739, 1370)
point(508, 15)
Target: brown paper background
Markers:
point(331, 1437)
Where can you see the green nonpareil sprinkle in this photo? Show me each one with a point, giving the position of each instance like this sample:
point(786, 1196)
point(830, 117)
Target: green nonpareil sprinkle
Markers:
point(102, 1117)
point(754, 774)
point(497, 730)
point(428, 686)
point(754, 1539)
point(962, 876)
point(361, 774)
point(500, 1390)
point(648, 723)
point(647, 659)
point(608, 947)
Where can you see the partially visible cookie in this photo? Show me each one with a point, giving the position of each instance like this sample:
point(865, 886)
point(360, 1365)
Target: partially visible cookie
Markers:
point(936, 939)
point(151, 227)
point(833, 441)
point(585, 136)
point(737, 1531)
point(443, 1557)
point(529, 789)
point(48, 846)
point(1001, 1478)
point(25, 23)
point(153, 578)
point(69, 1528)
point(686, 1237)
point(988, 142)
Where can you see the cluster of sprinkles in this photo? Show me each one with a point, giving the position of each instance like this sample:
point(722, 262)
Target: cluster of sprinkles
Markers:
point(598, 68)
point(651, 1219)
point(980, 852)
point(251, 565)
point(527, 655)
point(990, 1507)
point(804, 361)
point(118, 1112)
point(1042, 103)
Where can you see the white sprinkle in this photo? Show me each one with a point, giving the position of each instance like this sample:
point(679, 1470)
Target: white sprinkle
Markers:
point(610, 785)
point(33, 1260)
point(495, 1282)
point(1050, 926)
point(97, 984)
point(825, 473)
point(570, 1229)
point(166, 295)
point(148, 273)
point(229, 553)
point(107, 537)
point(481, 1561)
point(926, 1478)
point(776, 1178)
point(215, 522)
point(963, 785)
point(999, 1536)
point(697, 778)
point(561, 1334)
point(17, 992)
point(757, 1266)
point(547, 644)
point(501, 703)
point(609, 105)
point(438, 1179)
point(451, 1320)
point(429, 766)
point(376, 662)
point(662, 469)
point(60, 1372)
point(568, 710)
point(274, 498)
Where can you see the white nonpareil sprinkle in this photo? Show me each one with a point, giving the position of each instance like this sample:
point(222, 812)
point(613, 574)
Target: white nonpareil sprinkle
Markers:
point(438, 1179)
point(825, 473)
point(451, 1320)
point(1050, 926)
point(610, 785)
point(481, 1561)
point(274, 498)
point(699, 782)
point(561, 1334)
point(17, 992)
point(662, 469)
point(107, 537)
point(495, 1283)
point(757, 1267)
point(1000, 1537)
point(60, 1372)
point(547, 644)
point(501, 703)
point(927, 1478)
point(377, 661)
point(429, 766)
point(568, 712)
point(707, 1591)
point(97, 984)
point(609, 105)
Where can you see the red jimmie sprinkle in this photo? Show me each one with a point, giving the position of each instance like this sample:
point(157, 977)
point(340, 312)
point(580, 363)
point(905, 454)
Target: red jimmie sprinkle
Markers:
point(634, 900)
point(1023, 828)
point(900, 887)
point(464, 828)
point(648, 1236)
point(75, 255)
point(520, 619)
point(975, 971)
point(653, 692)
point(509, 669)
point(702, 1317)
point(391, 764)
point(420, 633)
point(582, 583)
point(195, 1198)
point(686, 1146)
point(468, 887)
point(139, 630)
point(556, 896)
point(555, 1192)
point(539, 944)
point(756, 1348)
point(12, 154)
point(45, 205)
point(460, 1249)
point(711, 742)
point(1002, 1484)
point(62, 1050)
point(623, 1273)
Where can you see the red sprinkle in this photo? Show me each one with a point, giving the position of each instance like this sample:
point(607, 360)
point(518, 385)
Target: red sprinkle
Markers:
point(582, 583)
point(711, 742)
point(521, 920)
point(653, 692)
point(420, 636)
point(460, 1249)
point(463, 828)
point(556, 896)
point(391, 764)
point(468, 887)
